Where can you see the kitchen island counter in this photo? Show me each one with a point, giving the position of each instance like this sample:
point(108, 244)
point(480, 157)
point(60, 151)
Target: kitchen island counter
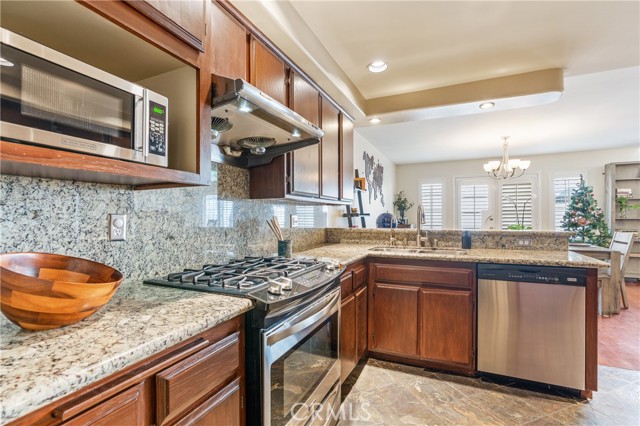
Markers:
point(350, 253)
point(40, 367)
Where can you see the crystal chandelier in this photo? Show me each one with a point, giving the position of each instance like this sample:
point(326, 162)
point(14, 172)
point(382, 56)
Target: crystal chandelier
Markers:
point(506, 168)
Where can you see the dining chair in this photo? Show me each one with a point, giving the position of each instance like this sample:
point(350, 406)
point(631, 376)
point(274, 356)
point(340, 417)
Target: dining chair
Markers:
point(611, 280)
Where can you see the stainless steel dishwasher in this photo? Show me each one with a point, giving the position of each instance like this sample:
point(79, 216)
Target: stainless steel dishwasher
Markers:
point(531, 323)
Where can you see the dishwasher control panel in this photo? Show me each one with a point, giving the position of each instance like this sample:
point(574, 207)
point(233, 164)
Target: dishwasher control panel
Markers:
point(532, 274)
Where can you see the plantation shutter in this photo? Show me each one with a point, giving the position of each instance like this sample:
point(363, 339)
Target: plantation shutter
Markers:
point(562, 188)
point(431, 197)
point(516, 204)
point(474, 199)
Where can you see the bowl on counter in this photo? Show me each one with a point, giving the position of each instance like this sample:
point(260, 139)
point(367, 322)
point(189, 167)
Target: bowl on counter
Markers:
point(42, 291)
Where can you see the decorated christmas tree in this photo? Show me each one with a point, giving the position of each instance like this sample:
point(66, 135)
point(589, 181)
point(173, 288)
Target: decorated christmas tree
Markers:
point(585, 218)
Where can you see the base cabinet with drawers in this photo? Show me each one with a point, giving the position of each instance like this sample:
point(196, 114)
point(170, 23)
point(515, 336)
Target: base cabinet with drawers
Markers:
point(197, 382)
point(353, 318)
point(423, 312)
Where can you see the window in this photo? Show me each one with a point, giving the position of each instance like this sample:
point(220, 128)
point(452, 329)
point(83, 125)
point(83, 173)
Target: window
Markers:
point(473, 203)
point(431, 199)
point(562, 188)
point(516, 204)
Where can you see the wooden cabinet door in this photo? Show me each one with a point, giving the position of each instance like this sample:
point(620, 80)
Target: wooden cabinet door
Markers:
point(346, 160)
point(446, 326)
point(393, 318)
point(185, 18)
point(126, 408)
point(348, 356)
point(184, 383)
point(330, 148)
point(268, 72)
point(305, 162)
point(361, 322)
point(223, 408)
point(229, 44)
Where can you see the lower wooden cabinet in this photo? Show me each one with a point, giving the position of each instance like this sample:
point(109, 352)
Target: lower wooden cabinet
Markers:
point(197, 382)
point(445, 325)
point(348, 355)
point(223, 408)
point(423, 312)
point(394, 319)
point(353, 318)
point(126, 408)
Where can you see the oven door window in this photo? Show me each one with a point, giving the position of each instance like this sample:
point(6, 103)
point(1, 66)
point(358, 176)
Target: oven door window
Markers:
point(297, 373)
point(42, 95)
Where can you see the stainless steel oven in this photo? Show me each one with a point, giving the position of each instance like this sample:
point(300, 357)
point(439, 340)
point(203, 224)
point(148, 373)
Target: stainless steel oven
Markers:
point(52, 99)
point(301, 369)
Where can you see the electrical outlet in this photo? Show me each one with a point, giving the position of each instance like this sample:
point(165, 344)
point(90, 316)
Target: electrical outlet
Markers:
point(524, 242)
point(293, 220)
point(117, 227)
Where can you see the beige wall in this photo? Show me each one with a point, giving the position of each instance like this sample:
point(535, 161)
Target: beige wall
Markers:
point(409, 177)
point(375, 207)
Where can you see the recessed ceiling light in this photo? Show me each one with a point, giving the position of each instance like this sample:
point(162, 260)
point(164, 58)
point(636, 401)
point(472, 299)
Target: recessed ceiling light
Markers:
point(377, 66)
point(487, 105)
point(375, 120)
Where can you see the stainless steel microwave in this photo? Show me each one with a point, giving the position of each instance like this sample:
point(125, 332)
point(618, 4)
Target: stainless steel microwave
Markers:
point(49, 98)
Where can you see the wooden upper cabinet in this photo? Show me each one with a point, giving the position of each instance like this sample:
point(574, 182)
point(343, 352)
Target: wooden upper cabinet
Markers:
point(229, 45)
point(346, 160)
point(305, 162)
point(184, 18)
point(267, 71)
point(330, 148)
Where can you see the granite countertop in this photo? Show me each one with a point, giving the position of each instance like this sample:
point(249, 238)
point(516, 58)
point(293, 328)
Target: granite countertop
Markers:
point(37, 368)
point(349, 253)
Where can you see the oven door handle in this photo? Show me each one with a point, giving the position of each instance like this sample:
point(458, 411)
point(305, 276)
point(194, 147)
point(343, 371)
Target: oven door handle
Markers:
point(310, 316)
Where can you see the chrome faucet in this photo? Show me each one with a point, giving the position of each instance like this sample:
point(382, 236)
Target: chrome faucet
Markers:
point(419, 221)
point(392, 238)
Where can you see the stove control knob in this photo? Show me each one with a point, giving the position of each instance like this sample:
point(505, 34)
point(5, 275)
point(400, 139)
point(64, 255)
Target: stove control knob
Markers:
point(275, 288)
point(285, 283)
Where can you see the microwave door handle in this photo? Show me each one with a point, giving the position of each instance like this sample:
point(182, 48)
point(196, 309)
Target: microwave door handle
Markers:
point(140, 130)
point(145, 125)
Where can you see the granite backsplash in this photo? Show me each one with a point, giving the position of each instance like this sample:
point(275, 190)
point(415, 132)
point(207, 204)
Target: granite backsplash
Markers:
point(167, 229)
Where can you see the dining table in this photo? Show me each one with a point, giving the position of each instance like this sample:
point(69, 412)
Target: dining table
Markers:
point(609, 280)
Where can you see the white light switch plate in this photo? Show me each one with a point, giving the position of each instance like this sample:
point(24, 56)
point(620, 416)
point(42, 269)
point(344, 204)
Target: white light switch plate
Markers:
point(294, 220)
point(117, 227)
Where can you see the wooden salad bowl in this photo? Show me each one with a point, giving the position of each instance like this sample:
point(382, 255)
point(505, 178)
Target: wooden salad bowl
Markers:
point(41, 291)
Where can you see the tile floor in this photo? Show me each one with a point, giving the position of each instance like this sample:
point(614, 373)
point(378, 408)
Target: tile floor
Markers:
point(385, 393)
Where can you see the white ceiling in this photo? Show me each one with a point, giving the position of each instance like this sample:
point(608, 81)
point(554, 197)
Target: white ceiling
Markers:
point(432, 44)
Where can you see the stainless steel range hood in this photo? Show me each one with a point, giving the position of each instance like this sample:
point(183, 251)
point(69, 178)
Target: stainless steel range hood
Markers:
point(249, 128)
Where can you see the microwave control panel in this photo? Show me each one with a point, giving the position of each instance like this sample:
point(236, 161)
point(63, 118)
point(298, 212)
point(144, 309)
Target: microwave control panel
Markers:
point(157, 128)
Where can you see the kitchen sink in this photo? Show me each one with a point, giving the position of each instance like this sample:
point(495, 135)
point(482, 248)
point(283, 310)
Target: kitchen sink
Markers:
point(418, 250)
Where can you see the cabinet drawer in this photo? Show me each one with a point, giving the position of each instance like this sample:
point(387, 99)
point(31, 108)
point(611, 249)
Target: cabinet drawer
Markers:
point(346, 284)
point(449, 277)
point(359, 276)
point(127, 407)
point(181, 385)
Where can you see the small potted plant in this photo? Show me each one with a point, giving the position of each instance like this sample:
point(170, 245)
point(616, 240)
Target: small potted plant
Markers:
point(624, 205)
point(401, 204)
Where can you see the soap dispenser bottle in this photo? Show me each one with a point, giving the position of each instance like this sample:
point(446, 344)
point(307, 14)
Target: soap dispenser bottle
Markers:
point(466, 240)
